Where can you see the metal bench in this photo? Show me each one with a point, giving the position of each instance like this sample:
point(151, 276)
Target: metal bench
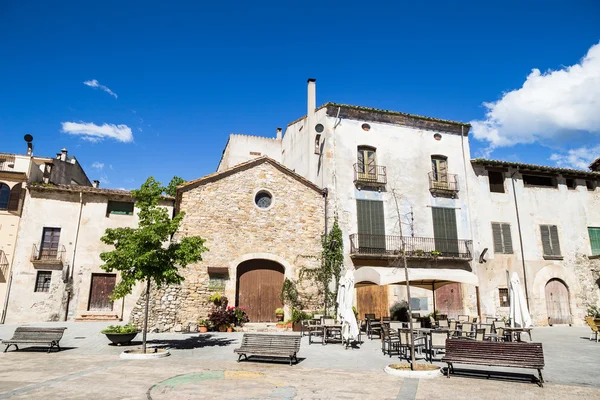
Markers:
point(495, 354)
point(35, 336)
point(254, 344)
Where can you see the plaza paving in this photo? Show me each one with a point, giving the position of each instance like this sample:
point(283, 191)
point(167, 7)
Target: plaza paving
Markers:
point(203, 366)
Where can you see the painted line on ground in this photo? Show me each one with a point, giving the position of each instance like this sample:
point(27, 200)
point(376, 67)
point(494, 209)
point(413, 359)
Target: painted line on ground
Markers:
point(408, 391)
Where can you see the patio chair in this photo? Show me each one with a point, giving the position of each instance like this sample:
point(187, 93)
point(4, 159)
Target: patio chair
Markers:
point(394, 326)
point(416, 325)
point(499, 336)
point(442, 316)
point(452, 328)
point(370, 316)
point(415, 315)
point(390, 342)
point(373, 328)
point(466, 330)
point(406, 338)
point(480, 334)
point(315, 330)
point(443, 323)
point(385, 319)
point(590, 321)
point(474, 320)
point(490, 320)
point(465, 318)
point(437, 341)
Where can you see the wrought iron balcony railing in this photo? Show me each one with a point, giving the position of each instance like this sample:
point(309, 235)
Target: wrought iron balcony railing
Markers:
point(443, 184)
point(52, 255)
point(370, 175)
point(414, 247)
point(3, 267)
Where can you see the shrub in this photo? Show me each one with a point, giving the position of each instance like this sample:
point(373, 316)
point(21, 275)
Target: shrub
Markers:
point(593, 311)
point(220, 317)
point(399, 311)
point(240, 316)
point(299, 315)
point(279, 310)
point(129, 328)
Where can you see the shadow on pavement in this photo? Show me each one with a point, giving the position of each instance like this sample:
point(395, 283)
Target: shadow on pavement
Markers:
point(188, 343)
point(270, 360)
point(38, 349)
point(492, 375)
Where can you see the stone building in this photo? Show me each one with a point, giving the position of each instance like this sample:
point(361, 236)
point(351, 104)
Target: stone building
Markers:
point(56, 273)
point(262, 223)
point(16, 172)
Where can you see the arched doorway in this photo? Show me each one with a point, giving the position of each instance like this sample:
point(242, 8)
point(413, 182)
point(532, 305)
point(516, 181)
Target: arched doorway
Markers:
point(557, 302)
point(258, 287)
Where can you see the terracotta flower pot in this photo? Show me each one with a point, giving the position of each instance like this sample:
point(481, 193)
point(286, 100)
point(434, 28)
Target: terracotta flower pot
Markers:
point(230, 329)
point(203, 329)
point(279, 317)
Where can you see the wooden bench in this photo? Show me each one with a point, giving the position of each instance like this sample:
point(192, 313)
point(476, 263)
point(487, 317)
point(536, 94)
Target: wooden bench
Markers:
point(495, 354)
point(255, 344)
point(35, 336)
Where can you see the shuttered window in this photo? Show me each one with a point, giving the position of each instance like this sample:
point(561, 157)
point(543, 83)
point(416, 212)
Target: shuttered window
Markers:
point(444, 230)
point(371, 224)
point(119, 207)
point(550, 240)
point(496, 179)
point(504, 299)
point(502, 238)
point(4, 196)
point(595, 240)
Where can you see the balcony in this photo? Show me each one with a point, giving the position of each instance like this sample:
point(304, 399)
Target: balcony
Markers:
point(370, 176)
point(3, 267)
point(443, 184)
point(386, 246)
point(48, 257)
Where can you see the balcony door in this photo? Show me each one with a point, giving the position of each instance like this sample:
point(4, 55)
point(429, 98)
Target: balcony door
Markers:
point(50, 240)
point(439, 169)
point(371, 226)
point(444, 231)
point(367, 166)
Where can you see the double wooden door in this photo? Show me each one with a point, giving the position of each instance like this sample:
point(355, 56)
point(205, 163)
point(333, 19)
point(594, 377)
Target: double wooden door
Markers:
point(101, 289)
point(557, 302)
point(259, 285)
point(372, 299)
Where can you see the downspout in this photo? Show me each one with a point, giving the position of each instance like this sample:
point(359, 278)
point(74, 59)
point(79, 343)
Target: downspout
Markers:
point(462, 145)
point(72, 267)
point(520, 239)
point(325, 192)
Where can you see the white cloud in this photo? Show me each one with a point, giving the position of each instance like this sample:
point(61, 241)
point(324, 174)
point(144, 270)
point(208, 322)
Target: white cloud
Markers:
point(97, 165)
point(95, 133)
point(95, 84)
point(548, 106)
point(104, 179)
point(579, 158)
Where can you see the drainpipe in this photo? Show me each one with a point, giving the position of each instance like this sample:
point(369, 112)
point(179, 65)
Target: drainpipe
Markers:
point(520, 239)
point(72, 267)
point(325, 192)
point(462, 145)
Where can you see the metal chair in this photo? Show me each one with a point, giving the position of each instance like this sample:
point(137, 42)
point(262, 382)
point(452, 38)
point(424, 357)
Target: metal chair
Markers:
point(390, 342)
point(490, 320)
point(443, 323)
point(466, 330)
point(479, 334)
point(465, 318)
point(437, 341)
point(406, 338)
point(590, 321)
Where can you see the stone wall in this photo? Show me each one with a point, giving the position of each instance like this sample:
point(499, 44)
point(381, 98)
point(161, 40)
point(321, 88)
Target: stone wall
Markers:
point(221, 209)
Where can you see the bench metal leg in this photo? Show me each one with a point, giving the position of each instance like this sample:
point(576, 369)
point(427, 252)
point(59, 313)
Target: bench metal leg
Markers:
point(448, 371)
point(12, 344)
point(541, 378)
point(240, 357)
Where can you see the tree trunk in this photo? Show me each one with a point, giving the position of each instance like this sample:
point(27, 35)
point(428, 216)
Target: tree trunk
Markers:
point(146, 316)
point(410, 321)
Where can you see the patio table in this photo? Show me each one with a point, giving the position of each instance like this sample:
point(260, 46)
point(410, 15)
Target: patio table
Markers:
point(516, 333)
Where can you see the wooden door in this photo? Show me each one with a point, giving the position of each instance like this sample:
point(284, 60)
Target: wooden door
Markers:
point(101, 289)
point(50, 240)
point(259, 286)
point(557, 302)
point(448, 300)
point(372, 299)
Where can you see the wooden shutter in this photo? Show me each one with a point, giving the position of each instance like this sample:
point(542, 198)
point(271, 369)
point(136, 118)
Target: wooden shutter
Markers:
point(444, 229)
point(595, 240)
point(361, 160)
point(507, 239)
point(15, 196)
point(546, 245)
point(497, 236)
point(371, 224)
point(554, 240)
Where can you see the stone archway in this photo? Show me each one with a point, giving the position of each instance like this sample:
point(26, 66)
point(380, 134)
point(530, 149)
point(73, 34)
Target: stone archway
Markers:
point(539, 305)
point(258, 288)
point(557, 302)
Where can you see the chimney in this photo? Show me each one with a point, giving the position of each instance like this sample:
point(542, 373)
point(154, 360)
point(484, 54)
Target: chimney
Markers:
point(29, 149)
point(312, 97)
point(96, 184)
point(278, 135)
point(63, 154)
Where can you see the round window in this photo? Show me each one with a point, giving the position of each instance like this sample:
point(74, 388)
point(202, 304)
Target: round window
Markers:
point(263, 199)
point(366, 127)
point(437, 136)
point(319, 128)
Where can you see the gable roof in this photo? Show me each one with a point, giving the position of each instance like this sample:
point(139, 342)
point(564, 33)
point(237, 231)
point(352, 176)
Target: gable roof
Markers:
point(245, 166)
point(49, 187)
point(534, 167)
point(595, 164)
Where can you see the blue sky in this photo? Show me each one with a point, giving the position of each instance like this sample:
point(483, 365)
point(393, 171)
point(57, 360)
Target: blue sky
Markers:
point(179, 77)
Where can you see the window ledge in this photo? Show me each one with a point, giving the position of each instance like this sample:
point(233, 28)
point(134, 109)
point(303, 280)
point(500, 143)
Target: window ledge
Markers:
point(547, 257)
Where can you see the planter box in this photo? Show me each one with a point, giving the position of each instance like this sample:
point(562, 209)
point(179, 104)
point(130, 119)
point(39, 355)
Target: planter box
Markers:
point(297, 326)
point(121, 338)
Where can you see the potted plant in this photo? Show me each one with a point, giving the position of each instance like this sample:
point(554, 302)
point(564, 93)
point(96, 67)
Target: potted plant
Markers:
point(203, 326)
point(221, 318)
point(229, 328)
point(120, 334)
point(297, 317)
point(218, 299)
point(279, 314)
point(240, 316)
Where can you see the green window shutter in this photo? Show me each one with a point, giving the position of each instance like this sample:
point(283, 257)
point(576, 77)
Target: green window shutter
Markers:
point(507, 239)
point(497, 236)
point(362, 216)
point(595, 240)
point(439, 227)
point(545, 230)
point(371, 221)
point(444, 230)
point(554, 238)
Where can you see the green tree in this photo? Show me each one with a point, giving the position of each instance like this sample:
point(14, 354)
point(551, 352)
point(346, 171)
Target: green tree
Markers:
point(171, 189)
point(146, 253)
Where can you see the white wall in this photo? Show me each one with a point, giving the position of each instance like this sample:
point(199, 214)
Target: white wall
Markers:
point(239, 147)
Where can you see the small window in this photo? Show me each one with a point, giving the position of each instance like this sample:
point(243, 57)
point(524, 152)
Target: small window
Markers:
point(120, 207)
point(318, 144)
point(216, 282)
point(594, 240)
point(4, 196)
point(263, 199)
point(550, 241)
point(439, 168)
point(255, 153)
point(591, 185)
point(537, 180)
point(419, 303)
point(571, 183)
point(496, 179)
point(42, 281)
point(502, 238)
point(503, 295)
